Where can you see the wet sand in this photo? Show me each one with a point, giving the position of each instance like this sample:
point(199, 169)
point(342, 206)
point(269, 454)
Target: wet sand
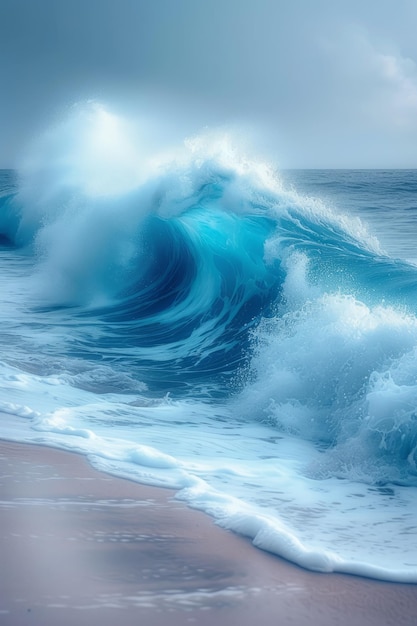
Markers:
point(80, 547)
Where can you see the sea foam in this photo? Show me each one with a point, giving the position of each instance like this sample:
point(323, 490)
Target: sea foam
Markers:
point(185, 320)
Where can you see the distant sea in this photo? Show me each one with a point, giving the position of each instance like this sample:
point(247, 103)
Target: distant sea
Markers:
point(244, 336)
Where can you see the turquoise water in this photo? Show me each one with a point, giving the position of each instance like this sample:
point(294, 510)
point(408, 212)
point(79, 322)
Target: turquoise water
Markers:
point(200, 321)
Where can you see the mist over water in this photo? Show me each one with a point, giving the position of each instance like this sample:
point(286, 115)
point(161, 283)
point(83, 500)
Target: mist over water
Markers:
point(186, 318)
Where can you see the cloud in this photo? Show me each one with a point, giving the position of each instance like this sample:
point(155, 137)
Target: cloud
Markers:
point(399, 76)
point(378, 83)
point(326, 83)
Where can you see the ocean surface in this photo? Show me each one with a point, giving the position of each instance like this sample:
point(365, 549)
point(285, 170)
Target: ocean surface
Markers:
point(193, 318)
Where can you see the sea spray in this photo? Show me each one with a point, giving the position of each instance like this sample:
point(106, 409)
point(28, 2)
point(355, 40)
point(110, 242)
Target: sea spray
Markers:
point(184, 319)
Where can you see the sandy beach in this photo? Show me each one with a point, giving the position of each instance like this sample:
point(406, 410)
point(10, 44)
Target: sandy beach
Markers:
point(81, 547)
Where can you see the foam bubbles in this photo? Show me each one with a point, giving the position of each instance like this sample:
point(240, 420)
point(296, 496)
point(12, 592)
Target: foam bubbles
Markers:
point(275, 357)
point(341, 373)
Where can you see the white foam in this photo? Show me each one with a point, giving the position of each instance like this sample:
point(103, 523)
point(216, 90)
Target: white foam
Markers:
point(331, 386)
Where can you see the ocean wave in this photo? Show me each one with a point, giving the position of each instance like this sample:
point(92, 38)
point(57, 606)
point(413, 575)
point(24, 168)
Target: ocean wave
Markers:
point(214, 273)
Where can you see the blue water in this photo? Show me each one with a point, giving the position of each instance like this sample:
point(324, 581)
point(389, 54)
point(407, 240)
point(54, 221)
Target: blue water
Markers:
point(194, 319)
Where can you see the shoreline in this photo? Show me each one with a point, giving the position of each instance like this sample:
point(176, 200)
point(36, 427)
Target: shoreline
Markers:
point(79, 546)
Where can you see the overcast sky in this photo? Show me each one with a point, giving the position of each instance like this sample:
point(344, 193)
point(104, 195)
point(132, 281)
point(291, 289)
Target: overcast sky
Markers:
point(321, 83)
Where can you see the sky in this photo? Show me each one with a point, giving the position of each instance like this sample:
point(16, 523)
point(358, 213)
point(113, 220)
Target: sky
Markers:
point(313, 83)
